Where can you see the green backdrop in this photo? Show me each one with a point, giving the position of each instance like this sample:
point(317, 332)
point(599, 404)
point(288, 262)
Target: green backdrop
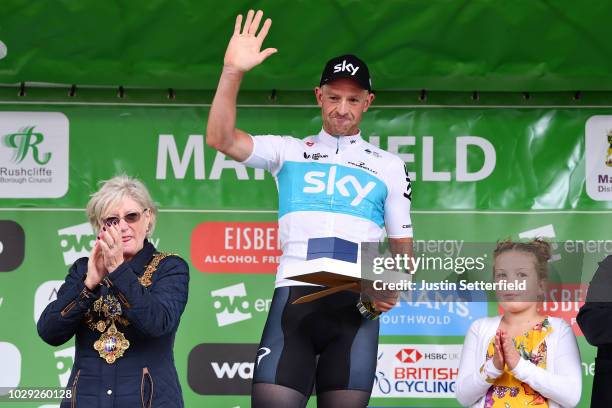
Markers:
point(523, 170)
point(449, 45)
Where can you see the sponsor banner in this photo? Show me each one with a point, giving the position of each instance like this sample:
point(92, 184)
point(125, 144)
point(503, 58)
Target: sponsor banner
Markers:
point(12, 245)
point(540, 192)
point(221, 369)
point(417, 370)
point(76, 241)
point(232, 305)
point(45, 294)
point(432, 313)
point(455, 157)
point(564, 301)
point(33, 154)
point(235, 247)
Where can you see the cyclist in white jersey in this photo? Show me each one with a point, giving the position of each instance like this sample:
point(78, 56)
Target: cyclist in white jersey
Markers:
point(335, 190)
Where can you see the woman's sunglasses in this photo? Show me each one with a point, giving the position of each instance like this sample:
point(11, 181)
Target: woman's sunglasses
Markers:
point(130, 218)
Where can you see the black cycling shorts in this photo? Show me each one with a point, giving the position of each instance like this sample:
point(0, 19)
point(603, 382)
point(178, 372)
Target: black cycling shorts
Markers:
point(325, 341)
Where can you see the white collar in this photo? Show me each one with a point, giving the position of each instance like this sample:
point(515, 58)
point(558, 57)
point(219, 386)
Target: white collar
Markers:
point(339, 142)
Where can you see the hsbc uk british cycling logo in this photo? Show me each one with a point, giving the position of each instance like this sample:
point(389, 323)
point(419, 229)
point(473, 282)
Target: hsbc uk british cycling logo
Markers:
point(409, 355)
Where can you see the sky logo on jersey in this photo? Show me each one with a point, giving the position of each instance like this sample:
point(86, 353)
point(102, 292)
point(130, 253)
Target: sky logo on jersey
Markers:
point(433, 313)
point(307, 186)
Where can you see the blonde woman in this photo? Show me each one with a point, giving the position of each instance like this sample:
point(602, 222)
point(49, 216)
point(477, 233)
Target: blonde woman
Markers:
point(521, 358)
point(123, 305)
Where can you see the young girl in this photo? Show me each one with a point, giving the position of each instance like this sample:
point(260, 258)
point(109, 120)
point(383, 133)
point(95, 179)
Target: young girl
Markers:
point(521, 358)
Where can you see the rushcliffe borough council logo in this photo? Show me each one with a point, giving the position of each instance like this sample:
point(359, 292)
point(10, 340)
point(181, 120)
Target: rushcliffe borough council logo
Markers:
point(33, 154)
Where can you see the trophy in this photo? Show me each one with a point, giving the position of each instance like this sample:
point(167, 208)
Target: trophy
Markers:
point(338, 265)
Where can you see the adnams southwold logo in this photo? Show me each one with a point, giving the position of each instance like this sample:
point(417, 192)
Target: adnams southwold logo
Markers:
point(598, 157)
point(232, 306)
point(33, 154)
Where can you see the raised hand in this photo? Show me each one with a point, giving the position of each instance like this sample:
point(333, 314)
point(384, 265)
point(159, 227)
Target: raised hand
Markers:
point(244, 49)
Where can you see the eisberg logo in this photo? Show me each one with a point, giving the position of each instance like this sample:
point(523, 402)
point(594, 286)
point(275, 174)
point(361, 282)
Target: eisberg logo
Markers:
point(352, 69)
point(76, 241)
point(318, 184)
point(10, 375)
point(231, 305)
point(24, 141)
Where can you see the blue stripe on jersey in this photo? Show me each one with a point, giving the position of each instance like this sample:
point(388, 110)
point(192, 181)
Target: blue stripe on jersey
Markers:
point(308, 186)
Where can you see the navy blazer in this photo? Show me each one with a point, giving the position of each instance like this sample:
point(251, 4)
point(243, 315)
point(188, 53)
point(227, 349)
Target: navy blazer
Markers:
point(145, 376)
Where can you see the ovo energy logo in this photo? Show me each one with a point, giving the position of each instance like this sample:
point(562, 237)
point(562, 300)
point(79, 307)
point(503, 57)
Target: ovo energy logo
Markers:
point(23, 141)
point(231, 305)
point(76, 241)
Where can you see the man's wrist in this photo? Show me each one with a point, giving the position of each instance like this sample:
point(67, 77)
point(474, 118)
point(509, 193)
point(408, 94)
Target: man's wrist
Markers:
point(232, 72)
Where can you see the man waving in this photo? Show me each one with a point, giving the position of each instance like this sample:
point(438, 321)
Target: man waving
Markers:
point(335, 190)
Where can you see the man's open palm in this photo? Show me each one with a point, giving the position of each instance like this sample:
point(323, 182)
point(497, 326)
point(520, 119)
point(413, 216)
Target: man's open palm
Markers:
point(244, 49)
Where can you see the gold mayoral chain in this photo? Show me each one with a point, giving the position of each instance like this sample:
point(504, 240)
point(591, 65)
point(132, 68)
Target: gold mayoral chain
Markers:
point(112, 343)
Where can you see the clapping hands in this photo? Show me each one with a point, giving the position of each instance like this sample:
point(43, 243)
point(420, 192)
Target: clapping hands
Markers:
point(504, 351)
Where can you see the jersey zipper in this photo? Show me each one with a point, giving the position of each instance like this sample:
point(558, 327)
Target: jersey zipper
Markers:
point(332, 219)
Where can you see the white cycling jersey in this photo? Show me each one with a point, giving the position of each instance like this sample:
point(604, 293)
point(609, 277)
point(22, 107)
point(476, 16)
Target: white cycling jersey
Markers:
point(330, 186)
